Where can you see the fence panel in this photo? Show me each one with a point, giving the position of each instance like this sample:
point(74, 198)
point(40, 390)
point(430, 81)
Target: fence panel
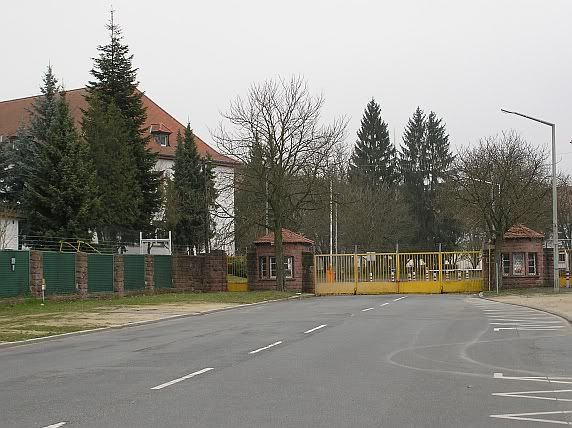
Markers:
point(59, 272)
point(134, 272)
point(237, 273)
point(99, 273)
point(14, 273)
point(162, 275)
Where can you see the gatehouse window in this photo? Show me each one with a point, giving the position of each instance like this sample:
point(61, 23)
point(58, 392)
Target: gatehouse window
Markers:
point(506, 264)
point(518, 264)
point(263, 267)
point(532, 264)
point(288, 267)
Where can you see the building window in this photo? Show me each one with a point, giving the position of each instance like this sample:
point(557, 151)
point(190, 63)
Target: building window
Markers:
point(532, 264)
point(506, 264)
point(161, 139)
point(263, 267)
point(518, 263)
point(288, 267)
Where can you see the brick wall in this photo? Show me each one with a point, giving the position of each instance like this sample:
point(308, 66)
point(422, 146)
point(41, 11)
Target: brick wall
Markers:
point(149, 273)
point(118, 275)
point(200, 273)
point(308, 284)
point(36, 273)
point(81, 274)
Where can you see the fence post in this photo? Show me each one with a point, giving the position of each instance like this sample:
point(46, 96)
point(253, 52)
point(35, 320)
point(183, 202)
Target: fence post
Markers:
point(397, 267)
point(355, 272)
point(440, 268)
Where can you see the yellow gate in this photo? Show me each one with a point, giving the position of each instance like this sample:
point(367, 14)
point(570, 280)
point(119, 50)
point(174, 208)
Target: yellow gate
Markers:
point(377, 273)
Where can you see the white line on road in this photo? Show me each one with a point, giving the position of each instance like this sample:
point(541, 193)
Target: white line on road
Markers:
point(527, 394)
point(519, 417)
point(367, 309)
point(58, 425)
point(528, 323)
point(399, 298)
point(315, 328)
point(266, 347)
point(567, 380)
point(174, 381)
point(546, 328)
point(534, 320)
point(383, 304)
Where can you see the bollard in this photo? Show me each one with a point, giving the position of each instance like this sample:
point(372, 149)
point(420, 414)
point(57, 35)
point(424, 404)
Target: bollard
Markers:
point(467, 274)
point(434, 276)
point(426, 275)
point(409, 276)
point(392, 275)
point(413, 275)
point(459, 275)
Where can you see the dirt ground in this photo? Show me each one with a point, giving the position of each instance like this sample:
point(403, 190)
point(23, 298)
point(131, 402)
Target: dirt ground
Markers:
point(560, 304)
point(28, 326)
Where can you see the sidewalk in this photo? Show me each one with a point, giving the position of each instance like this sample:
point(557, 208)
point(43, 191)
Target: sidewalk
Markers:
point(545, 299)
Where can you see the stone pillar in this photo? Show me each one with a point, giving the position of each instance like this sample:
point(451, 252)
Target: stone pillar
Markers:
point(308, 282)
point(149, 273)
point(215, 271)
point(36, 273)
point(251, 269)
point(81, 277)
point(118, 277)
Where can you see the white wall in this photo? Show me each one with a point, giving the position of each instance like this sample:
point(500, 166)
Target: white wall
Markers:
point(224, 213)
point(8, 234)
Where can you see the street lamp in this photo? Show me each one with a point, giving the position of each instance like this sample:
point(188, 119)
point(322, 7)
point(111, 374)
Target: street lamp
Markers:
point(554, 195)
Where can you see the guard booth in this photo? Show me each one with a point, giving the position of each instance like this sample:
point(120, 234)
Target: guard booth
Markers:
point(298, 262)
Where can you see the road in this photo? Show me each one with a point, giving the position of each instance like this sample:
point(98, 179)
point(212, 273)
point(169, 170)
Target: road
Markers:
point(351, 361)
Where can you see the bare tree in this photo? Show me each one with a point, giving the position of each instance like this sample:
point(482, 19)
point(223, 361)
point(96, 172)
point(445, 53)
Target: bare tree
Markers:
point(275, 132)
point(501, 182)
point(565, 207)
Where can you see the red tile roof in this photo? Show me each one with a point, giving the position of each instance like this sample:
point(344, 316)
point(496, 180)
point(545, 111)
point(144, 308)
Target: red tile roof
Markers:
point(287, 237)
point(15, 114)
point(521, 231)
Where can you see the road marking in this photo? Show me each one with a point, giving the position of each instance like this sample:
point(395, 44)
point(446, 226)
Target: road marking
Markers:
point(526, 394)
point(520, 417)
point(58, 425)
point(383, 304)
point(532, 328)
point(315, 328)
point(567, 380)
point(266, 347)
point(535, 320)
point(174, 381)
point(399, 298)
point(368, 309)
point(528, 323)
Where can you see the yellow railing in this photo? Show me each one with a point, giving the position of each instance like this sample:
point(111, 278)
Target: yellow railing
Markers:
point(237, 273)
point(422, 272)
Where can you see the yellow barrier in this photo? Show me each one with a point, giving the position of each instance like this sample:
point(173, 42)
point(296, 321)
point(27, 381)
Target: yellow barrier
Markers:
point(377, 273)
point(237, 286)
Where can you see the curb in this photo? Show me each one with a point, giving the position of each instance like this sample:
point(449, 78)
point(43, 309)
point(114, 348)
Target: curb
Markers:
point(559, 315)
point(8, 345)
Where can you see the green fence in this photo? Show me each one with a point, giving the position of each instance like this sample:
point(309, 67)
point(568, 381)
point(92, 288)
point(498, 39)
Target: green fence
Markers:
point(99, 273)
point(59, 272)
point(162, 275)
point(14, 273)
point(134, 272)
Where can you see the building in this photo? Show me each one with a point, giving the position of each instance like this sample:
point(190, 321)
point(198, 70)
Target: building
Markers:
point(8, 230)
point(163, 128)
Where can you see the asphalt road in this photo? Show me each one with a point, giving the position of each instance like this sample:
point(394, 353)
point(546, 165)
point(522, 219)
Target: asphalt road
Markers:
point(353, 361)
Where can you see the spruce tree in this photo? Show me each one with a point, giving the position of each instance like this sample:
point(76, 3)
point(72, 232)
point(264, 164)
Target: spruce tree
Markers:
point(439, 157)
point(193, 182)
point(60, 198)
point(106, 133)
point(373, 161)
point(115, 81)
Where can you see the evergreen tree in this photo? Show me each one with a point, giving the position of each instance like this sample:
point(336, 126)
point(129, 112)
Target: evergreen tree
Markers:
point(374, 158)
point(193, 181)
point(106, 133)
point(438, 159)
point(60, 197)
point(116, 82)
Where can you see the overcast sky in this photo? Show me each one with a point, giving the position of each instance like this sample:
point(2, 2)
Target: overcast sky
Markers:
point(464, 60)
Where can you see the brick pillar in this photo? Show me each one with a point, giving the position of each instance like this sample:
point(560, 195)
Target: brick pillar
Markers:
point(215, 271)
point(36, 273)
point(118, 278)
point(149, 273)
point(81, 274)
point(251, 270)
point(308, 283)
point(549, 267)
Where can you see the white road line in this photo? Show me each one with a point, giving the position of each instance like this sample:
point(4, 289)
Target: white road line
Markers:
point(399, 298)
point(383, 304)
point(58, 425)
point(266, 347)
point(526, 394)
point(520, 417)
point(534, 319)
point(174, 381)
point(547, 328)
point(526, 324)
point(368, 309)
point(567, 380)
point(315, 328)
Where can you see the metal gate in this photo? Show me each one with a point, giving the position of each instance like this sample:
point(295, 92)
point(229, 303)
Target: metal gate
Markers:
point(14, 273)
point(134, 272)
point(59, 272)
point(99, 273)
point(162, 274)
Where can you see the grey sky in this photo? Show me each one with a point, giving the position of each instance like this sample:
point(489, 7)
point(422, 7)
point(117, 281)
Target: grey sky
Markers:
point(464, 60)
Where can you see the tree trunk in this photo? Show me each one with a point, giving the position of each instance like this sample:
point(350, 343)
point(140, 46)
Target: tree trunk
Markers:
point(279, 249)
point(498, 260)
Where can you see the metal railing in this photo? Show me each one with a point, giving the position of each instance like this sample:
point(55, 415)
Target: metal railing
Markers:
point(236, 268)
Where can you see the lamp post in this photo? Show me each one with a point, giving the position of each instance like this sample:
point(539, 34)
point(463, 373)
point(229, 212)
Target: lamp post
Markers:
point(554, 195)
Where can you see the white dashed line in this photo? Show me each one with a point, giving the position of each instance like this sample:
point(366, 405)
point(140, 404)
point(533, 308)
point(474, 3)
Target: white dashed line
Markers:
point(58, 425)
point(266, 347)
point(383, 304)
point(399, 298)
point(174, 381)
point(367, 309)
point(315, 328)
